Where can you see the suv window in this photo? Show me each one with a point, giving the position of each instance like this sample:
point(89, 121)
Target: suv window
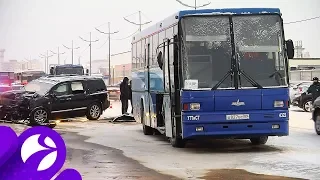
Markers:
point(95, 86)
point(77, 88)
point(62, 89)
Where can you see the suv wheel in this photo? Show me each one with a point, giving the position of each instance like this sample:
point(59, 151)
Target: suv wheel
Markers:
point(317, 124)
point(39, 116)
point(94, 111)
point(259, 141)
point(307, 105)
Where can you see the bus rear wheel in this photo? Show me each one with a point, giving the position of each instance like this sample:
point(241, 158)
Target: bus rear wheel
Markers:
point(146, 129)
point(259, 141)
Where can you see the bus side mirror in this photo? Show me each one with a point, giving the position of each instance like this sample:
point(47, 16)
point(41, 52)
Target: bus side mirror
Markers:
point(290, 48)
point(51, 71)
point(160, 60)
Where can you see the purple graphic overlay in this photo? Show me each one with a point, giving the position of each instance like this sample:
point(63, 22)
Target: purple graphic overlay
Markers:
point(40, 153)
point(9, 144)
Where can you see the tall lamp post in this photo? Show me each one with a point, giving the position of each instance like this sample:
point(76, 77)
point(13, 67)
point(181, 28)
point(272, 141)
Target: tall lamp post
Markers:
point(72, 49)
point(195, 6)
point(109, 33)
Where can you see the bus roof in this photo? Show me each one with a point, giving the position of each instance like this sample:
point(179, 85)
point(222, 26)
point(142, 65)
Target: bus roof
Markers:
point(173, 19)
point(70, 65)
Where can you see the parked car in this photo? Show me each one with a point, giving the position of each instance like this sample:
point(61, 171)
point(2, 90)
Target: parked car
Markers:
point(303, 101)
point(114, 93)
point(316, 115)
point(296, 89)
point(51, 98)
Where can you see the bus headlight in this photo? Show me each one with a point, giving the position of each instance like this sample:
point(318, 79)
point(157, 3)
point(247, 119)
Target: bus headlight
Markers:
point(278, 104)
point(195, 106)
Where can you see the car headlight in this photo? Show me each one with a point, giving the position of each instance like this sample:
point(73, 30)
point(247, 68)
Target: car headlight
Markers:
point(278, 104)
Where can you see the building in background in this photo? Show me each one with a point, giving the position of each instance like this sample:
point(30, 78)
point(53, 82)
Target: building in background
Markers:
point(2, 54)
point(98, 66)
point(119, 72)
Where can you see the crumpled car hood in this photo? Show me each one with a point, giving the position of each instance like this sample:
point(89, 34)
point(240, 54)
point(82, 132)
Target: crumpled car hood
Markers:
point(15, 95)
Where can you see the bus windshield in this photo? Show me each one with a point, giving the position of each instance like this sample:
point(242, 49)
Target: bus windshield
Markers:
point(207, 50)
point(259, 41)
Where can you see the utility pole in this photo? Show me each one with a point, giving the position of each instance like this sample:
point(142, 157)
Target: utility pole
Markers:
point(195, 4)
point(90, 44)
point(46, 61)
point(109, 33)
point(72, 48)
point(140, 24)
point(58, 54)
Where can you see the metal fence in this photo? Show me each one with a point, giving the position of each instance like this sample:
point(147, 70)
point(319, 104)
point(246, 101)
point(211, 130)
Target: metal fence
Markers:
point(304, 75)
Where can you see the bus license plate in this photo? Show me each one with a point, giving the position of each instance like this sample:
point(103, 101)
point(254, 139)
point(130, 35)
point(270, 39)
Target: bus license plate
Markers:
point(237, 117)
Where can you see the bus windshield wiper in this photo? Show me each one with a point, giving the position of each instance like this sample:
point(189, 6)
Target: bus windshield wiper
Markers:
point(250, 80)
point(222, 80)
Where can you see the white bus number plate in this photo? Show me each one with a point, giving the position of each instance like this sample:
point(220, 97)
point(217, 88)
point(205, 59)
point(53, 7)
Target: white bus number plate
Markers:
point(237, 117)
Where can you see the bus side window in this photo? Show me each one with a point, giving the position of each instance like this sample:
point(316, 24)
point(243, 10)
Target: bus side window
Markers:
point(138, 57)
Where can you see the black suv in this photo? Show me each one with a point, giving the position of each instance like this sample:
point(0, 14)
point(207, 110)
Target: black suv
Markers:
point(51, 98)
point(316, 115)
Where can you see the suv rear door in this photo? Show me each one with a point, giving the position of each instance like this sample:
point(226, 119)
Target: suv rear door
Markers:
point(79, 98)
point(96, 90)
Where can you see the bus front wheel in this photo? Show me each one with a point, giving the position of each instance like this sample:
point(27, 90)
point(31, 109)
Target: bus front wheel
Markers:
point(259, 141)
point(146, 129)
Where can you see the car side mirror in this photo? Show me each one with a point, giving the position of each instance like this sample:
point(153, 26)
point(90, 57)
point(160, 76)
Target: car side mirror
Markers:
point(87, 71)
point(290, 49)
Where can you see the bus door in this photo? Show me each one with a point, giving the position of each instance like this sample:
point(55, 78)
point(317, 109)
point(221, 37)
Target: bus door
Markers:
point(168, 86)
point(147, 83)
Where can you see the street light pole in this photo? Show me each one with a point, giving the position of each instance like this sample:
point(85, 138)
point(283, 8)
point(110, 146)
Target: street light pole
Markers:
point(195, 4)
point(72, 48)
point(113, 75)
point(109, 33)
point(90, 45)
point(140, 24)
point(58, 54)
point(109, 64)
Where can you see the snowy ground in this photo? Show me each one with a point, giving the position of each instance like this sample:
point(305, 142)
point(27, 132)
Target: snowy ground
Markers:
point(297, 155)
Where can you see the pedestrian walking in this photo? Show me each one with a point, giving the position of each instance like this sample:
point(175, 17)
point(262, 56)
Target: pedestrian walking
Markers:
point(314, 89)
point(124, 94)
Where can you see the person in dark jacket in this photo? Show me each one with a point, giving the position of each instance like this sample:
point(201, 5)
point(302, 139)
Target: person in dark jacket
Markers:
point(130, 95)
point(124, 94)
point(314, 89)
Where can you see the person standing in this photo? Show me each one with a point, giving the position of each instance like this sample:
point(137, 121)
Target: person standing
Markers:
point(130, 95)
point(314, 89)
point(124, 94)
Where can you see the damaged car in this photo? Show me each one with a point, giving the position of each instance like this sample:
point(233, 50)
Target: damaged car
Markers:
point(53, 98)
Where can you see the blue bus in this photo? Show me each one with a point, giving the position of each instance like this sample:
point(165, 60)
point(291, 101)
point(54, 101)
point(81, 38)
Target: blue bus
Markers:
point(217, 73)
point(67, 69)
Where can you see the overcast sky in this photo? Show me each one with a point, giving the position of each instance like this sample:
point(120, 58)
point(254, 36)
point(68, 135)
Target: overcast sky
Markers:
point(30, 27)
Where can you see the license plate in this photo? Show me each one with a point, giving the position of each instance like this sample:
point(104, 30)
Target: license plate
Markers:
point(237, 117)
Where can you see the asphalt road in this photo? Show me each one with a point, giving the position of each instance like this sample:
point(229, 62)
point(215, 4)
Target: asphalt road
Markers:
point(103, 150)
